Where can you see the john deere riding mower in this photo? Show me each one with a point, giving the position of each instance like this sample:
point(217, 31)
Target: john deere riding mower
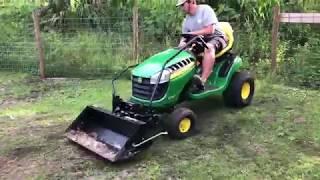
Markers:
point(159, 84)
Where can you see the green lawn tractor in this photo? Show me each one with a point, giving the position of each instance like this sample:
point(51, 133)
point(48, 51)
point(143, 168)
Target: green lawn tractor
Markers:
point(159, 84)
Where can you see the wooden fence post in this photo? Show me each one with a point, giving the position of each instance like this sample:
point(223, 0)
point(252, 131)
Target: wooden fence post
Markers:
point(135, 28)
point(275, 30)
point(37, 33)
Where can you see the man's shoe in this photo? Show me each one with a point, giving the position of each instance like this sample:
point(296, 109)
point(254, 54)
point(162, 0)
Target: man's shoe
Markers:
point(197, 81)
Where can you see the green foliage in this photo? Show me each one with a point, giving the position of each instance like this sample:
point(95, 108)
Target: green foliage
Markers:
point(96, 22)
point(256, 43)
point(15, 23)
point(95, 9)
point(302, 68)
point(20, 3)
point(301, 5)
point(160, 20)
point(59, 5)
point(16, 39)
point(87, 54)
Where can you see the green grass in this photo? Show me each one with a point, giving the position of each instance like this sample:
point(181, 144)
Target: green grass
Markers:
point(277, 137)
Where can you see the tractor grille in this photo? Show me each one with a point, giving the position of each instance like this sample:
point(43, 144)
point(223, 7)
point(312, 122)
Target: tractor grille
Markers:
point(141, 88)
point(180, 65)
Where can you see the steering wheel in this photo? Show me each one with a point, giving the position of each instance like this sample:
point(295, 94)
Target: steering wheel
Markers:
point(198, 40)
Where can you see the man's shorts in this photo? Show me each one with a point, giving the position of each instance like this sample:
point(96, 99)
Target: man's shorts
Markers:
point(219, 43)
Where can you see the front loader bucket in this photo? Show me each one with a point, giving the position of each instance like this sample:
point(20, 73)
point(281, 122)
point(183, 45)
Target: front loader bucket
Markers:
point(106, 134)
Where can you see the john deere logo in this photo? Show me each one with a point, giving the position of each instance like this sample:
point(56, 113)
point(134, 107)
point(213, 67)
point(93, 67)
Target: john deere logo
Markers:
point(139, 80)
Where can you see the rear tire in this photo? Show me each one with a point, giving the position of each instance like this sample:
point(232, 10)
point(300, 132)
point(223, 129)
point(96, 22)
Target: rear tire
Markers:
point(180, 123)
point(240, 91)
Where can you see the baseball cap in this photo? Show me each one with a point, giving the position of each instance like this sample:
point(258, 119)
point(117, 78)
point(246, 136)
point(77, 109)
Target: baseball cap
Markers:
point(180, 2)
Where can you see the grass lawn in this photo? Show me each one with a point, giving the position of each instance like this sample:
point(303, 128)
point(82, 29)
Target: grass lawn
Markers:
point(277, 137)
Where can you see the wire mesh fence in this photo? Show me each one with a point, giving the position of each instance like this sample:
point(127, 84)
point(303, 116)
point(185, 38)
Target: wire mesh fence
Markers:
point(18, 56)
point(88, 47)
point(81, 47)
point(99, 46)
point(17, 46)
point(15, 3)
point(91, 46)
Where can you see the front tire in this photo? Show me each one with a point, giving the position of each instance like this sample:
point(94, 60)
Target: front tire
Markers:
point(240, 91)
point(180, 123)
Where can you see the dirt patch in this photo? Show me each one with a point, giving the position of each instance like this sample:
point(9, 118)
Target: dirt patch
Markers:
point(20, 169)
point(31, 80)
point(57, 132)
point(55, 136)
point(5, 166)
point(227, 134)
point(2, 89)
point(39, 124)
point(21, 152)
point(3, 161)
point(309, 147)
point(299, 120)
point(5, 118)
point(8, 102)
point(266, 100)
point(17, 164)
point(11, 101)
point(32, 96)
point(270, 119)
point(257, 148)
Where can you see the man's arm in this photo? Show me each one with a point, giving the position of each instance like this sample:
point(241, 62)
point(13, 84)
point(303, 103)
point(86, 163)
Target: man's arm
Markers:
point(206, 30)
point(184, 30)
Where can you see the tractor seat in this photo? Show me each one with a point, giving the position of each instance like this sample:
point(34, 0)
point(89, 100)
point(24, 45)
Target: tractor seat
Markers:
point(228, 31)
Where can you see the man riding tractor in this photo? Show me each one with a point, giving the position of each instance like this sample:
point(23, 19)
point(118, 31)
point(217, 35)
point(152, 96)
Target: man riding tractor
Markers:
point(202, 20)
point(163, 81)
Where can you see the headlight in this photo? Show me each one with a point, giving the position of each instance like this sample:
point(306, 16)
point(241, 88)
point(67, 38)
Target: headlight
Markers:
point(164, 78)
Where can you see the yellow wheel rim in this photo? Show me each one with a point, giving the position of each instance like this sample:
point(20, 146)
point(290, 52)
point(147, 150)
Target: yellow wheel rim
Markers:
point(185, 125)
point(245, 90)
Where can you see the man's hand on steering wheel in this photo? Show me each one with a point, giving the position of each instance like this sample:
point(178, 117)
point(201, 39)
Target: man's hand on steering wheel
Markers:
point(194, 39)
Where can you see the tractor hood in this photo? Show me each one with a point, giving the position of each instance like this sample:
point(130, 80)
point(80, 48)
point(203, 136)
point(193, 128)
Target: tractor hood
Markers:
point(153, 64)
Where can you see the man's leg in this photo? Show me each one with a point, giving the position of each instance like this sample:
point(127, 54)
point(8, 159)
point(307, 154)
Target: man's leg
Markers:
point(207, 62)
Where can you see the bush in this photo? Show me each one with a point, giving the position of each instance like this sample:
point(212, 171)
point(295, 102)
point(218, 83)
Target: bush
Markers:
point(86, 54)
point(302, 67)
